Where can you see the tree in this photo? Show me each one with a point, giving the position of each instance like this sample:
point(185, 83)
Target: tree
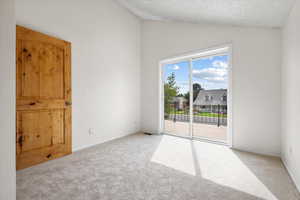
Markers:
point(196, 89)
point(187, 97)
point(171, 91)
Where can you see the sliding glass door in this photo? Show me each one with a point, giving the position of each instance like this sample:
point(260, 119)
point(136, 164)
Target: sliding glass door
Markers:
point(210, 86)
point(200, 81)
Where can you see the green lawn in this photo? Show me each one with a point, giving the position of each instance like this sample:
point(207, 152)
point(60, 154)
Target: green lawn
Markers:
point(207, 114)
point(202, 114)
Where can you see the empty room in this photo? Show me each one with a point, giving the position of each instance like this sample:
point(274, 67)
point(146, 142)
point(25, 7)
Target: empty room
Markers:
point(149, 100)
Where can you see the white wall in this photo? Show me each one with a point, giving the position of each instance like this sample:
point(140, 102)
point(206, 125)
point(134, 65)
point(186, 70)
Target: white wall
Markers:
point(105, 62)
point(7, 96)
point(256, 76)
point(291, 94)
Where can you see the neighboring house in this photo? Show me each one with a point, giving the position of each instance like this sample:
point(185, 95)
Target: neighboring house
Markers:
point(180, 102)
point(211, 101)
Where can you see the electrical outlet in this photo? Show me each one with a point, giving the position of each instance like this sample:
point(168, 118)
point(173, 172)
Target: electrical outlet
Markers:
point(91, 131)
point(291, 151)
point(135, 124)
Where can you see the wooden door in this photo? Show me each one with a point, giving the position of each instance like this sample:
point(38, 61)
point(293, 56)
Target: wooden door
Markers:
point(43, 118)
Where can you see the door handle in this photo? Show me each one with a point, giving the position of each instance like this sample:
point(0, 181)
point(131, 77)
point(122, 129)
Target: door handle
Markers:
point(68, 103)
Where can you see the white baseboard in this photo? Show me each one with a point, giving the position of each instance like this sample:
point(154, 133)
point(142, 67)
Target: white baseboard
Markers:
point(91, 145)
point(150, 131)
point(86, 146)
point(290, 171)
point(263, 153)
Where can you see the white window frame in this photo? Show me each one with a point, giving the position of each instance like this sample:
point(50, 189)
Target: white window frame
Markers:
point(208, 52)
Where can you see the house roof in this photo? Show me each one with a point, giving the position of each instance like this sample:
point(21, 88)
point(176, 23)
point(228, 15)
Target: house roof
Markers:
point(211, 97)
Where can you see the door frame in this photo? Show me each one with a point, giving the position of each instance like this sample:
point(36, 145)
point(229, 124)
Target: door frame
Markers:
point(202, 53)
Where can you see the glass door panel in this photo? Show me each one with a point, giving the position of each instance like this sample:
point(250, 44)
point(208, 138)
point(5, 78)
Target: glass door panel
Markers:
point(176, 83)
point(210, 84)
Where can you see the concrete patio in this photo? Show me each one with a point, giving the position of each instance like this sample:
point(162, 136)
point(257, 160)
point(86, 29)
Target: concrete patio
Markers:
point(212, 132)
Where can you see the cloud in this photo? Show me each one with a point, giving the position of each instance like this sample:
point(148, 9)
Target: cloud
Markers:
point(216, 75)
point(220, 64)
point(176, 67)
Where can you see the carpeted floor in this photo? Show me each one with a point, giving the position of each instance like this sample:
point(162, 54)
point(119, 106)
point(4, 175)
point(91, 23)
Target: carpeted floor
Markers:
point(141, 167)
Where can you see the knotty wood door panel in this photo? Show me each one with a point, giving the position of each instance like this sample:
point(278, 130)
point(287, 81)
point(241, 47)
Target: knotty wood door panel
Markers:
point(43, 102)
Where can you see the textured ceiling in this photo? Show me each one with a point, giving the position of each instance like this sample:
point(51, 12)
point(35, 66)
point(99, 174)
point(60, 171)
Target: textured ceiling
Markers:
point(266, 13)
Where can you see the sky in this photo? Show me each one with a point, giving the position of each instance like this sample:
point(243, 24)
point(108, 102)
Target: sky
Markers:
point(210, 73)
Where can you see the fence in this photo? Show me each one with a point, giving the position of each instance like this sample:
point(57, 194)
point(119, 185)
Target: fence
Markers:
point(206, 114)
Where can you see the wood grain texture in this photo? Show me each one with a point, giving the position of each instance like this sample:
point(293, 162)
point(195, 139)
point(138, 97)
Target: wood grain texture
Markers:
point(44, 98)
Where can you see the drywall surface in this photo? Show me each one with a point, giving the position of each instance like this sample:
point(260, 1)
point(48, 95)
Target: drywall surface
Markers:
point(267, 13)
point(256, 76)
point(7, 96)
point(105, 41)
point(291, 94)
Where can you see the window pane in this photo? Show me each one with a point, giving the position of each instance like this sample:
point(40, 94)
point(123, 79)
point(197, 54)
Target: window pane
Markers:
point(176, 99)
point(210, 83)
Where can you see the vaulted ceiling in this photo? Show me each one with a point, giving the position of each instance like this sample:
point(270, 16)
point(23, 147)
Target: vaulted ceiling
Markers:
point(265, 13)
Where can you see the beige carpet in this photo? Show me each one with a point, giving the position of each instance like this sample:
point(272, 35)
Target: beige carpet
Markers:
point(158, 168)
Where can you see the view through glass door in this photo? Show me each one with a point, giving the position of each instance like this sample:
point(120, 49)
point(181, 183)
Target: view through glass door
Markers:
point(207, 78)
point(210, 84)
point(176, 102)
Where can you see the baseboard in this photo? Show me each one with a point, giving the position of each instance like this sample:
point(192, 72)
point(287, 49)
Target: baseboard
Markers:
point(263, 153)
point(91, 145)
point(151, 132)
point(87, 146)
point(290, 172)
